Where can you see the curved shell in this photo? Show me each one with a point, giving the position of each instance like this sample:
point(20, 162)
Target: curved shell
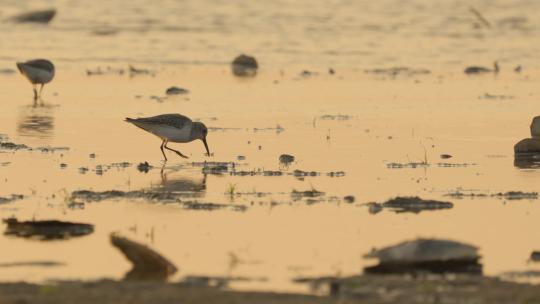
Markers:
point(425, 250)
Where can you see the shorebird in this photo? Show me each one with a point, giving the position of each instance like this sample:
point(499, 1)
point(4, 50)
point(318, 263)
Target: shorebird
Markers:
point(479, 69)
point(37, 71)
point(174, 128)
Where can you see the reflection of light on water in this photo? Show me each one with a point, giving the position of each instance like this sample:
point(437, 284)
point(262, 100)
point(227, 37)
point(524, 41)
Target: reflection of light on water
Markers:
point(36, 122)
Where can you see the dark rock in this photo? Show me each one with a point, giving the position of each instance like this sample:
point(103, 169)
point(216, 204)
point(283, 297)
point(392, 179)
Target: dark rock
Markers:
point(286, 159)
point(245, 66)
point(426, 255)
point(41, 16)
point(144, 167)
point(414, 204)
point(527, 145)
point(349, 199)
point(12, 198)
point(535, 256)
point(482, 70)
point(46, 229)
point(176, 91)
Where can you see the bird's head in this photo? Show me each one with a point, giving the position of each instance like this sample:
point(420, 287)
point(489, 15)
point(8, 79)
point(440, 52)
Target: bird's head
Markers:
point(201, 131)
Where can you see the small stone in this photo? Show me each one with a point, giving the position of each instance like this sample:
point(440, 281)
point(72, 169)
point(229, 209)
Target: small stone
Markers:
point(245, 66)
point(286, 159)
point(144, 167)
point(349, 199)
point(176, 91)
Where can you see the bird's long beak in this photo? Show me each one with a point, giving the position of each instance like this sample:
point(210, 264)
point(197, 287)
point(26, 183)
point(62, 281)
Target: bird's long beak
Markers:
point(206, 146)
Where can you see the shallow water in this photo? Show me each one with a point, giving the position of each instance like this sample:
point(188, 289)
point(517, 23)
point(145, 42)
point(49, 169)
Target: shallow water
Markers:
point(389, 120)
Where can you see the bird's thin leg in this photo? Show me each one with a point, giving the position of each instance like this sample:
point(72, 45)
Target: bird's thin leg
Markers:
point(40, 90)
point(35, 93)
point(177, 152)
point(162, 145)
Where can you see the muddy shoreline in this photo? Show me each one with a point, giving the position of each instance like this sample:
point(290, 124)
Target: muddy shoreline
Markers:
point(360, 289)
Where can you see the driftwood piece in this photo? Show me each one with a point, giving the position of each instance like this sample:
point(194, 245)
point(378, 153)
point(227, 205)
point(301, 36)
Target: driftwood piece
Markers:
point(147, 263)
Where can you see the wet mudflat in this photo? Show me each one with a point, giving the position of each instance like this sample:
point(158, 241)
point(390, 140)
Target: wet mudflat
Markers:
point(224, 215)
point(310, 153)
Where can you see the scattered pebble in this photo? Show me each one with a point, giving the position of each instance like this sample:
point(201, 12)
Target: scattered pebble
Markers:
point(286, 159)
point(244, 66)
point(144, 167)
point(176, 91)
point(349, 199)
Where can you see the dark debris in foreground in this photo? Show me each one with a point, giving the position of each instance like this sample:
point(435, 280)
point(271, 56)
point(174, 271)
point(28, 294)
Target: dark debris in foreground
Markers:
point(370, 289)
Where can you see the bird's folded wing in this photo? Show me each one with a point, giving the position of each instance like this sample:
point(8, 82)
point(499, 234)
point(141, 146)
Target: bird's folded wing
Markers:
point(172, 120)
point(40, 64)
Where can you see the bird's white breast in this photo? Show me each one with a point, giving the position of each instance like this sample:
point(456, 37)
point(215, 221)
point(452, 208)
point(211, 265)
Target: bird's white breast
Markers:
point(172, 134)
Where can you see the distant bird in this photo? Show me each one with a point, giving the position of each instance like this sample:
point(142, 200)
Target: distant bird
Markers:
point(481, 70)
point(173, 127)
point(38, 71)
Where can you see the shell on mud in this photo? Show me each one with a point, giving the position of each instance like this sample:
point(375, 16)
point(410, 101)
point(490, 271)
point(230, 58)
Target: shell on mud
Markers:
point(425, 250)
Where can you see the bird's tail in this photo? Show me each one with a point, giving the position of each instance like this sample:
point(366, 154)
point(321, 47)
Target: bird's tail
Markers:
point(20, 67)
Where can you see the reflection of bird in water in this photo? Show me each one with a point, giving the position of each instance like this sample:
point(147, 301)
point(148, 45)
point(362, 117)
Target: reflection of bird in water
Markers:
point(37, 122)
point(37, 71)
point(172, 183)
point(481, 70)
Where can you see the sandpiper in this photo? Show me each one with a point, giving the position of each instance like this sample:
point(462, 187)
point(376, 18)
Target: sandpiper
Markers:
point(174, 128)
point(37, 71)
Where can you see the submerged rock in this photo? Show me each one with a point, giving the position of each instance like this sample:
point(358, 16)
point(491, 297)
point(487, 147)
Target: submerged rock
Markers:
point(41, 16)
point(176, 91)
point(147, 263)
point(177, 197)
point(144, 167)
point(286, 159)
point(12, 198)
point(349, 199)
point(51, 229)
point(482, 70)
point(12, 146)
point(245, 66)
point(133, 71)
point(426, 255)
point(412, 204)
point(509, 195)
